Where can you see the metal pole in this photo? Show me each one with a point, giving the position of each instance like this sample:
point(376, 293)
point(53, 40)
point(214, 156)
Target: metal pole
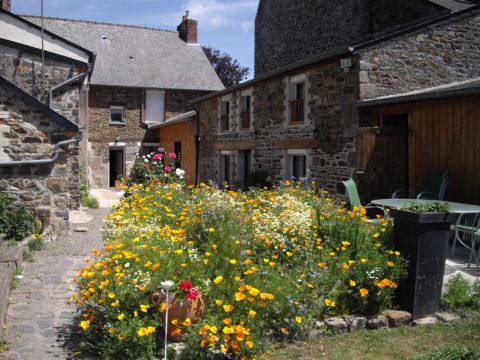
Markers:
point(43, 51)
point(166, 325)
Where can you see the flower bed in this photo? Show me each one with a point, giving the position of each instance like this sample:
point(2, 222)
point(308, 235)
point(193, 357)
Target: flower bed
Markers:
point(266, 263)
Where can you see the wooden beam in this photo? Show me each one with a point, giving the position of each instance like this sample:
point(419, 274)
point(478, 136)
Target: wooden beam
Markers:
point(296, 144)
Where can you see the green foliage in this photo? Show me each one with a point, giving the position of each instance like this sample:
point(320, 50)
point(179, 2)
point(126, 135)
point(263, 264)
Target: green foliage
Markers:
point(155, 167)
point(266, 261)
point(27, 255)
point(36, 244)
point(426, 207)
point(454, 352)
point(16, 272)
point(15, 222)
point(461, 295)
point(85, 198)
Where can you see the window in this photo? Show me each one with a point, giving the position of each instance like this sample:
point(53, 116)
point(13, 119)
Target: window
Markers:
point(116, 114)
point(296, 164)
point(155, 106)
point(246, 109)
point(297, 92)
point(225, 115)
point(224, 168)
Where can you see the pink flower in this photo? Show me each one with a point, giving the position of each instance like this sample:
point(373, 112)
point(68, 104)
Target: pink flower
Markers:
point(157, 157)
point(186, 285)
point(167, 168)
point(192, 293)
point(145, 166)
point(172, 156)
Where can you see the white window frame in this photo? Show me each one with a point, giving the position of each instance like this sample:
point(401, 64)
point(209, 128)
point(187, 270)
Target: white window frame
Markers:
point(221, 180)
point(117, 107)
point(245, 93)
point(290, 94)
point(288, 162)
point(225, 99)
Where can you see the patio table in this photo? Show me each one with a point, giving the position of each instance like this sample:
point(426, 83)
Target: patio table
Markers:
point(455, 208)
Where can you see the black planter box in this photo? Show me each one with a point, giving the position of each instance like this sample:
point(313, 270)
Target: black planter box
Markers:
point(423, 240)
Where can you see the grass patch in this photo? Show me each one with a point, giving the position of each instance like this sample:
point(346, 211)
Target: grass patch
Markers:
point(90, 202)
point(396, 344)
point(17, 271)
point(36, 244)
point(27, 255)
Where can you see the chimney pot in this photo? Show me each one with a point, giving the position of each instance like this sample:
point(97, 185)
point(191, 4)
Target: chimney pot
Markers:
point(6, 5)
point(187, 30)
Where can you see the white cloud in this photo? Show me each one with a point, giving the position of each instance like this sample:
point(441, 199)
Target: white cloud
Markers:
point(246, 25)
point(220, 13)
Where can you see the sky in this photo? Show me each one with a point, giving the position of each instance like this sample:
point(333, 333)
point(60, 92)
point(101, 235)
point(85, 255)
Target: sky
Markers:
point(228, 25)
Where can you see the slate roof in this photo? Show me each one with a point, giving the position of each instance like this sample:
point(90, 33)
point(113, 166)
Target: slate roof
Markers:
point(44, 109)
point(454, 5)
point(133, 56)
point(460, 88)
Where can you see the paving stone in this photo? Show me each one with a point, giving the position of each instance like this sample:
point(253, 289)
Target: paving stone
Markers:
point(447, 317)
point(356, 322)
point(336, 324)
point(397, 318)
point(429, 320)
point(377, 322)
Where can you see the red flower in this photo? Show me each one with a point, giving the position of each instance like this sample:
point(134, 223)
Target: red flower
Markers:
point(192, 293)
point(145, 166)
point(186, 285)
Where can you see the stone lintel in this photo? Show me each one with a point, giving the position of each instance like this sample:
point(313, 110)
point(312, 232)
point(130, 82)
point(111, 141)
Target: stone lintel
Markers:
point(243, 145)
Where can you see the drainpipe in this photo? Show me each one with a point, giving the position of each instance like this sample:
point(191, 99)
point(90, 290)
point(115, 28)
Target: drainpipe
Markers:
point(66, 82)
point(52, 159)
point(197, 146)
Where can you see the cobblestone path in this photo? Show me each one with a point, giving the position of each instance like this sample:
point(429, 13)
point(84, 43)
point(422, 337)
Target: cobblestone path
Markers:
point(40, 319)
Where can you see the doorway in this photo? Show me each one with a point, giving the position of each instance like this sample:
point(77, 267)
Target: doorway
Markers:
point(116, 165)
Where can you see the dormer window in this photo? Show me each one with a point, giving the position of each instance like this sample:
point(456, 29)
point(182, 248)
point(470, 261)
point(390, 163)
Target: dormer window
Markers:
point(116, 115)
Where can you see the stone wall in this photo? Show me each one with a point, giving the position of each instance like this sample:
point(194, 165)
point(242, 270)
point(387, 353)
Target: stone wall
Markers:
point(48, 191)
point(441, 54)
point(328, 134)
point(178, 102)
point(24, 69)
point(287, 31)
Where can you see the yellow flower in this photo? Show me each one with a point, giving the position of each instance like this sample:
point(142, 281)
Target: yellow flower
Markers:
point(213, 329)
point(151, 329)
point(363, 292)
point(239, 296)
point(179, 251)
point(352, 283)
point(227, 321)
point(211, 230)
point(390, 263)
point(298, 319)
point(85, 324)
point(249, 344)
point(219, 302)
point(121, 316)
point(175, 321)
point(322, 264)
point(142, 332)
point(233, 261)
point(121, 336)
point(144, 308)
point(289, 253)
point(228, 308)
point(227, 330)
point(218, 279)
point(364, 261)
point(346, 266)
point(187, 322)
point(287, 183)
point(252, 313)
point(329, 303)
point(376, 235)
point(111, 295)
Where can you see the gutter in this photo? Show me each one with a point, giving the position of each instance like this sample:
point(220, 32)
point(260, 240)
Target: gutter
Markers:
point(52, 159)
point(66, 82)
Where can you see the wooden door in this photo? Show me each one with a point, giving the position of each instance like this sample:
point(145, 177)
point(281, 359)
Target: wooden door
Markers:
point(382, 162)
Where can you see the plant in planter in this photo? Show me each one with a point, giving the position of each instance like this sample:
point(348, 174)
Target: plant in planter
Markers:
point(183, 310)
point(422, 231)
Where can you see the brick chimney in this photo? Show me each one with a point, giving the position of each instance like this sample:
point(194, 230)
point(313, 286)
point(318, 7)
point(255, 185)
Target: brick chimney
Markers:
point(187, 30)
point(6, 5)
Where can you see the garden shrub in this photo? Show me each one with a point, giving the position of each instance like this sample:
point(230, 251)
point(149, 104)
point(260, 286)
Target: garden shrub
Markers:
point(16, 223)
point(85, 198)
point(267, 262)
point(460, 295)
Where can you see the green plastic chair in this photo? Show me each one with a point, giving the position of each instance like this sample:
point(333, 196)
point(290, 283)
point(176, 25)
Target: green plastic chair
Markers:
point(466, 232)
point(433, 185)
point(354, 199)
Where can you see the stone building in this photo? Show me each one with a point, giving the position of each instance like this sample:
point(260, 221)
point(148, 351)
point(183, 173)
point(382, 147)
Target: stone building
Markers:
point(280, 26)
point(40, 107)
point(303, 121)
point(142, 76)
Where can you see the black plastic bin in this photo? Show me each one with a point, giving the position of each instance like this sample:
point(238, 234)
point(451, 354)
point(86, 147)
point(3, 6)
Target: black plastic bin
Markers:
point(423, 240)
